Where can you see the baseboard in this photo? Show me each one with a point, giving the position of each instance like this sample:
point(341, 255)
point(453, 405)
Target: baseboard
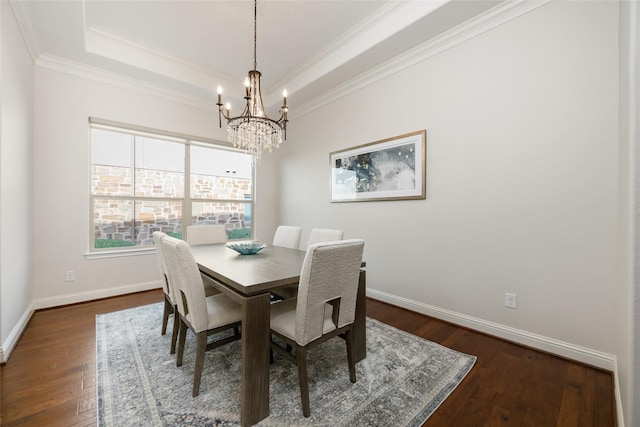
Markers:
point(618, 396)
point(12, 340)
point(578, 353)
point(77, 297)
point(561, 348)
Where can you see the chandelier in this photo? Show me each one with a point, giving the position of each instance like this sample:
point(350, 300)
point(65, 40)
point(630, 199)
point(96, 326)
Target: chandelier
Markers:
point(253, 130)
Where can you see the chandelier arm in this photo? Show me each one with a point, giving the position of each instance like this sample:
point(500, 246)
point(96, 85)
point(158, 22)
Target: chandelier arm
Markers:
point(282, 120)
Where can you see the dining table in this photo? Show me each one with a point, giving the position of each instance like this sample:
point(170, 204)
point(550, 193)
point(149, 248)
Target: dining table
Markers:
point(249, 280)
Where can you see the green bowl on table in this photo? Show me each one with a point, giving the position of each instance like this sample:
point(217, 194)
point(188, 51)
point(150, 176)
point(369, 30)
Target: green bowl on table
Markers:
point(247, 248)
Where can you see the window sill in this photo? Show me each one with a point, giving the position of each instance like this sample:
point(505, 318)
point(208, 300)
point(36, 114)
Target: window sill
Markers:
point(120, 253)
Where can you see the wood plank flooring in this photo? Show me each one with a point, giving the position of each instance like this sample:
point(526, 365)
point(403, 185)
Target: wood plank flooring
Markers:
point(50, 377)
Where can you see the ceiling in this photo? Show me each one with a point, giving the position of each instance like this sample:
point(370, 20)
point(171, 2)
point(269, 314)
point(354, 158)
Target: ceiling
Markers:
point(192, 47)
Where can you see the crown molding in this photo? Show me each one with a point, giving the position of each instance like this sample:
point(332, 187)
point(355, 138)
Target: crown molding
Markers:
point(26, 28)
point(486, 21)
point(103, 43)
point(380, 25)
point(108, 45)
point(97, 74)
point(504, 12)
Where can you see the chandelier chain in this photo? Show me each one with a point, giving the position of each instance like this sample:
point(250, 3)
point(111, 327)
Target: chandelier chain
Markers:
point(255, 34)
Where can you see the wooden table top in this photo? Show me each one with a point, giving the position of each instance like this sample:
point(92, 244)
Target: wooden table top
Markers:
point(271, 268)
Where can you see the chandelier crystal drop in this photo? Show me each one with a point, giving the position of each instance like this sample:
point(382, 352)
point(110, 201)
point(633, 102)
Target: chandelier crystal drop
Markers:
point(253, 131)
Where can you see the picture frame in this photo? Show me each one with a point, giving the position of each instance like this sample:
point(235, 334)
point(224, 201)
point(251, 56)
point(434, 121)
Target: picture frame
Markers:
point(389, 169)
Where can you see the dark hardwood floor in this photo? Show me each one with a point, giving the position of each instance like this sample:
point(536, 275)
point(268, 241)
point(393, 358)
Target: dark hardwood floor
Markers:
point(50, 377)
point(510, 385)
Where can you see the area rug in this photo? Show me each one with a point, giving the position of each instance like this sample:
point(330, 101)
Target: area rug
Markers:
point(401, 382)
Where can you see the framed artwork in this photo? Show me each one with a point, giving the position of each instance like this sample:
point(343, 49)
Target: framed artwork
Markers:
point(390, 169)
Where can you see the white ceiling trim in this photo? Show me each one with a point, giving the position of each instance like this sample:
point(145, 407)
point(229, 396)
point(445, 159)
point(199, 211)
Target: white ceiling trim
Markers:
point(96, 74)
point(26, 28)
point(486, 21)
point(382, 24)
point(103, 43)
point(472, 28)
point(385, 22)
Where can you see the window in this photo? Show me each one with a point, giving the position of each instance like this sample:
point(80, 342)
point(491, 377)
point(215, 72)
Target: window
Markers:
point(142, 182)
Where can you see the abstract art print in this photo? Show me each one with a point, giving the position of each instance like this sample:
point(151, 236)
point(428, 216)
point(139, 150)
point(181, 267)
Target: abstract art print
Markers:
point(390, 169)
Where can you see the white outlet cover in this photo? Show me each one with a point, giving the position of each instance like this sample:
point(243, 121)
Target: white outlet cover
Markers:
point(510, 300)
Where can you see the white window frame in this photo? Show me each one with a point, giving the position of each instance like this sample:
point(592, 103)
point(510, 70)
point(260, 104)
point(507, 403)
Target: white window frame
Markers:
point(188, 141)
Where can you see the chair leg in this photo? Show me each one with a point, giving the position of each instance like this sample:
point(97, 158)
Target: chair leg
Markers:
point(168, 309)
point(350, 357)
point(182, 335)
point(197, 373)
point(301, 361)
point(176, 328)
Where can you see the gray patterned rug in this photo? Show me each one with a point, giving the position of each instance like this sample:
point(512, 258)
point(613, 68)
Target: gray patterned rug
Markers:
point(402, 381)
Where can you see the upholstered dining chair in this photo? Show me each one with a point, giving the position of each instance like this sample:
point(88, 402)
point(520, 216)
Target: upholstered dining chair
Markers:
point(317, 235)
point(287, 236)
point(206, 234)
point(325, 307)
point(324, 235)
point(170, 300)
point(202, 315)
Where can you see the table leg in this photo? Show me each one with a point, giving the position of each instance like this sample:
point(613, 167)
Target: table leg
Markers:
point(360, 323)
point(254, 391)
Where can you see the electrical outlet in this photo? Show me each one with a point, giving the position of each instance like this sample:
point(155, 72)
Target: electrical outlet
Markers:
point(510, 300)
point(70, 276)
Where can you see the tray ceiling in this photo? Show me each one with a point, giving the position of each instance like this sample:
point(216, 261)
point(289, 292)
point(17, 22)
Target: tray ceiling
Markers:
point(192, 47)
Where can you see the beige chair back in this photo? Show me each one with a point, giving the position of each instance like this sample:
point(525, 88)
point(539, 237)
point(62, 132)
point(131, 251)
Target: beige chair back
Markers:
point(330, 274)
point(184, 275)
point(287, 236)
point(206, 234)
point(164, 273)
point(318, 235)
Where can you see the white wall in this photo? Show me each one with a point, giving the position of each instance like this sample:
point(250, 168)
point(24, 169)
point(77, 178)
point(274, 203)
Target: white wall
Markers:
point(625, 304)
point(61, 182)
point(16, 123)
point(267, 194)
point(630, 125)
point(522, 179)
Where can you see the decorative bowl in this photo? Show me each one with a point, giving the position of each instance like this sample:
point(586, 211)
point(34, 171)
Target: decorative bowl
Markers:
point(247, 248)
